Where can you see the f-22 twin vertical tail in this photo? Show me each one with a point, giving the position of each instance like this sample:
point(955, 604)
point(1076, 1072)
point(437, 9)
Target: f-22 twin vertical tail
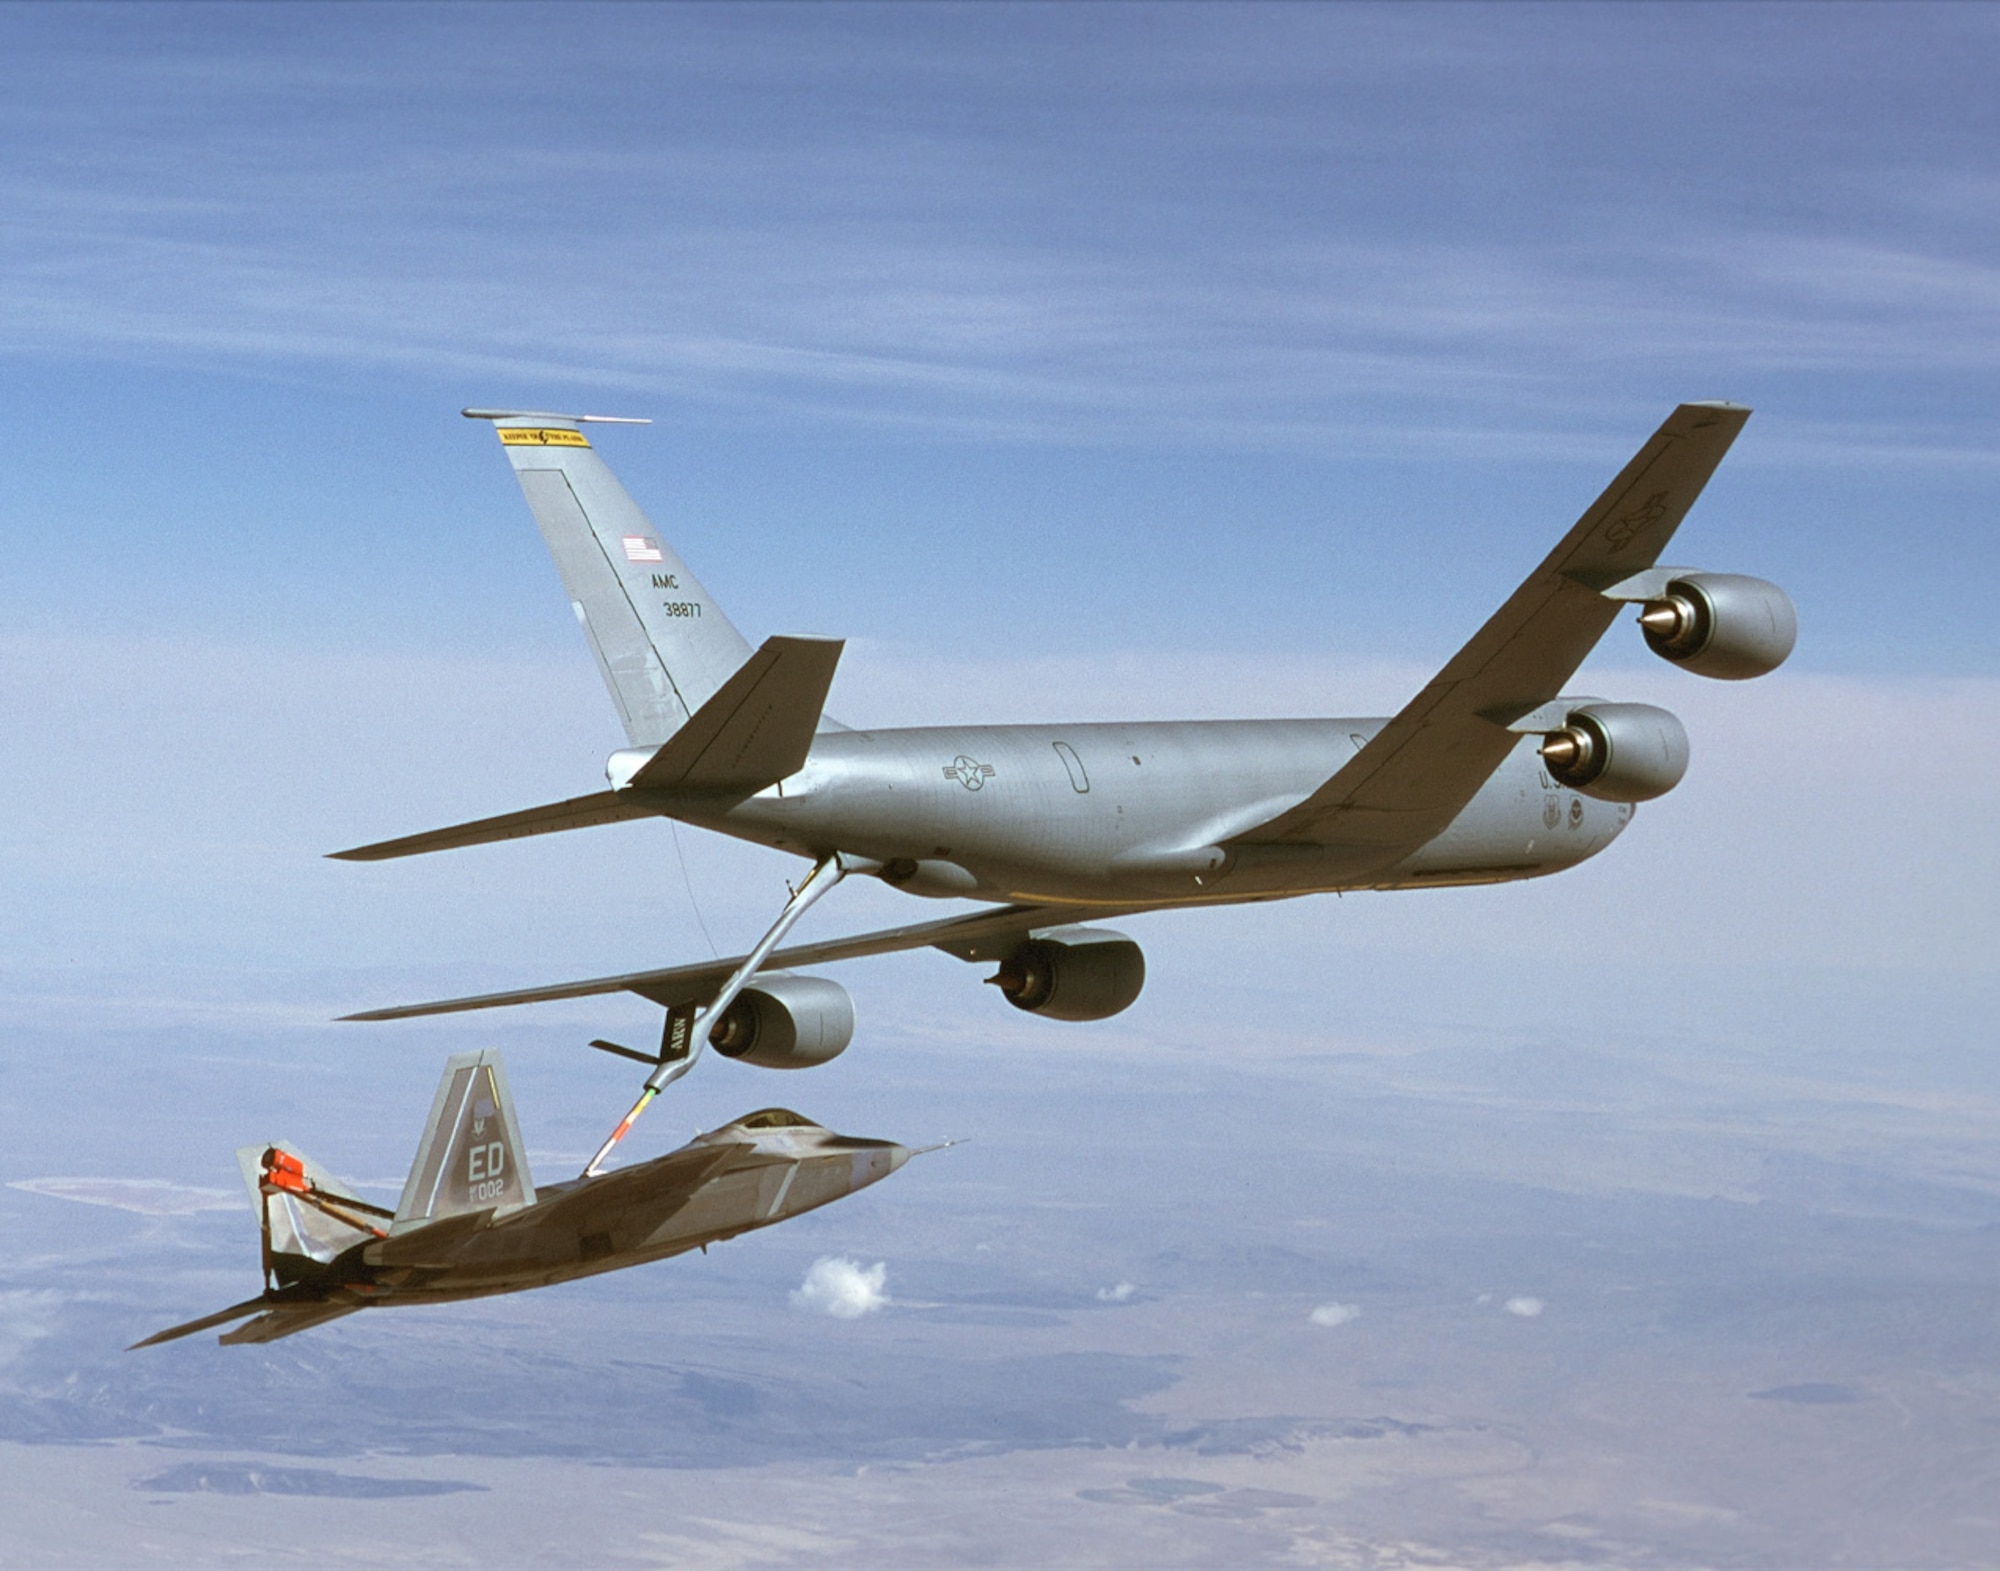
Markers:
point(1491, 772)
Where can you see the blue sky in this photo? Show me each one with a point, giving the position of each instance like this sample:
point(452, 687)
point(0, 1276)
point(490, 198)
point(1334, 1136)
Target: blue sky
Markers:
point(1141, 294)
point(1086, 361)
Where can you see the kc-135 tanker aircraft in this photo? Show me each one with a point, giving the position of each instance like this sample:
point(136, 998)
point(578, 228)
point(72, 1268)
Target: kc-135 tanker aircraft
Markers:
point(1490, 773)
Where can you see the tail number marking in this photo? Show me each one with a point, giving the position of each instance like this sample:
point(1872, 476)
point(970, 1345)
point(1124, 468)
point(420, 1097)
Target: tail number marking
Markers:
point(485, 1171)
point(680, 608)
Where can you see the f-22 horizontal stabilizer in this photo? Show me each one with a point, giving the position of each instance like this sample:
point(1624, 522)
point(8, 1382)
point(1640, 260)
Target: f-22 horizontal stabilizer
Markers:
point(284, 1321)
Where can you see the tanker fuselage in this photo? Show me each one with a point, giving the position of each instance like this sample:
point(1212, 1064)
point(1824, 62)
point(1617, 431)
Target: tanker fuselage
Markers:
point(1135, 814)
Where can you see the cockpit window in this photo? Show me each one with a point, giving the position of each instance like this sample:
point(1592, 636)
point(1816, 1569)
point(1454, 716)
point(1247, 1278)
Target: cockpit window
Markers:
point(777, 1118)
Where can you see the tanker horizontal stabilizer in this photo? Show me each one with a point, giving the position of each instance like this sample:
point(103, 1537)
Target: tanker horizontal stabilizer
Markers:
point(755, 731)
point(579, 812)
point(758, 727)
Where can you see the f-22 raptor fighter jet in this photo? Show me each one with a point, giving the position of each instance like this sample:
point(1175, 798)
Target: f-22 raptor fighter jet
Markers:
point(471, 1222)
point(1491, 772)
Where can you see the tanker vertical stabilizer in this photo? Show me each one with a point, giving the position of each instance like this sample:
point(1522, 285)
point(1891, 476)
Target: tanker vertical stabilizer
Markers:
point(661, 641)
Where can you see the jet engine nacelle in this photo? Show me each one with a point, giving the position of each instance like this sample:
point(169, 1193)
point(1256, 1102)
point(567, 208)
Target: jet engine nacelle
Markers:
point(1073, 973)
point(1721, 625)
point(783, 1021)
point(1618, 752)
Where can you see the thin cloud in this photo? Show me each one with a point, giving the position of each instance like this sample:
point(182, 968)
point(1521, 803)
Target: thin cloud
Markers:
point(146, 1196)
point(1003, 274)
point(26, 1316)
point(1526, 1308)
point(1334, 1314)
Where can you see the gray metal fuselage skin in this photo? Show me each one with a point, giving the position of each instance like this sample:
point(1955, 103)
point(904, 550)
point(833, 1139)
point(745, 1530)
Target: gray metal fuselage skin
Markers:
point(630, 1216)
point(1137, 814)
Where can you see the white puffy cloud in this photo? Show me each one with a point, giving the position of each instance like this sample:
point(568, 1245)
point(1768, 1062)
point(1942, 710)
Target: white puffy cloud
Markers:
point(842, 1288)
point(1334, 1314)
point(1526, 1308)
point(1116, 1295)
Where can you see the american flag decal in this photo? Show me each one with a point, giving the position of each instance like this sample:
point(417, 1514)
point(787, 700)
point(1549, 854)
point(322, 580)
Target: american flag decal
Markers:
point(639, 549)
